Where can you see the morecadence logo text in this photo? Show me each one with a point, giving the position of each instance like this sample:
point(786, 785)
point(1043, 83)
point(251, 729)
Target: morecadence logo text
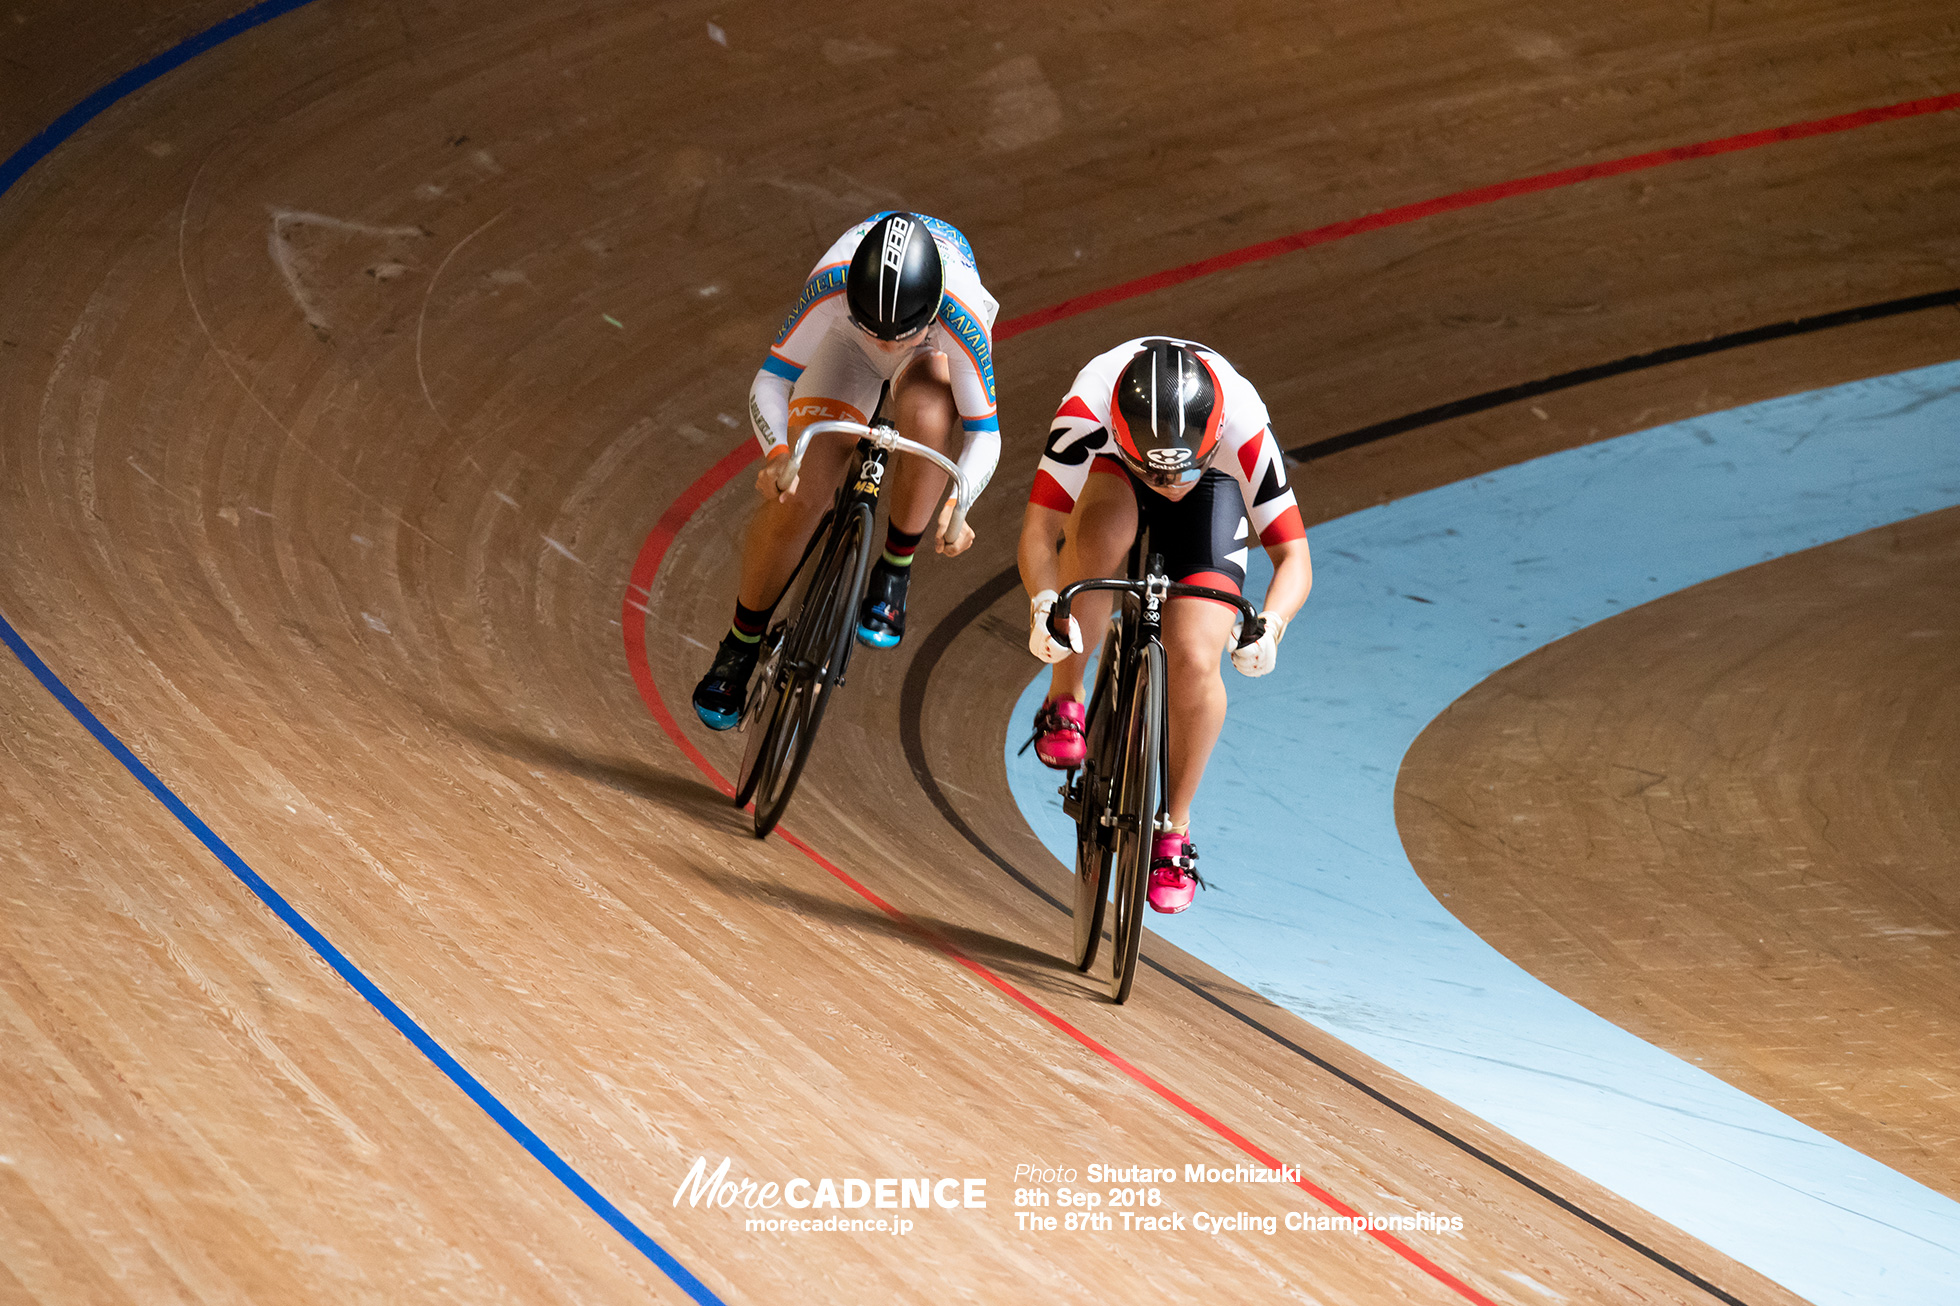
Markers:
point(717, 1189)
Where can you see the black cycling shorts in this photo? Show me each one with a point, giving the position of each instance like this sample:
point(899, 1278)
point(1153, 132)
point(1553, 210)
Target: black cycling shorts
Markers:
point(1203, 536)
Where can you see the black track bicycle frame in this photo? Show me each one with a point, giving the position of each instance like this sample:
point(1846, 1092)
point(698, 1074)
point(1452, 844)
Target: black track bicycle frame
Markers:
point(1095, 800)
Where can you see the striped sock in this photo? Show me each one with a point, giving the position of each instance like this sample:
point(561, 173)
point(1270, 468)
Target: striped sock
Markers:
point(749, 623)
point(900, 545)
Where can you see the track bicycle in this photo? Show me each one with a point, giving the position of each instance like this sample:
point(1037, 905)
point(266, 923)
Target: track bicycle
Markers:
point(805, 654)
point(1117, 796)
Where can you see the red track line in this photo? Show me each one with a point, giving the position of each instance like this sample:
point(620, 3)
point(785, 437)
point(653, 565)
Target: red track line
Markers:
point(653, 551)
point(1142, 1077)
point(633, 604)
point(1464, 199)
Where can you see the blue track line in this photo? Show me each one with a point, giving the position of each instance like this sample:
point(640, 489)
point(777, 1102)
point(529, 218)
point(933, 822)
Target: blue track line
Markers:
point(11, 171)
point(348, 971)
point(58, 131)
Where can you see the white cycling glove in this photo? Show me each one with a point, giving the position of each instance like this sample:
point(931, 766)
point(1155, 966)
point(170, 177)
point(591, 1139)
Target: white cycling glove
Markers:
point(1262, 654)
point(1040, 642)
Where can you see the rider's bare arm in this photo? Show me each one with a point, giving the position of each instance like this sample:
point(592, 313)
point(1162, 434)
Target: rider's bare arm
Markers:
point(1040, 551)
point(1292, 577)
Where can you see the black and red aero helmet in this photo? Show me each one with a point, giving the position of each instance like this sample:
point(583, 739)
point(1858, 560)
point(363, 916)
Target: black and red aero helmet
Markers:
point(1164, 413)
point(894, 282)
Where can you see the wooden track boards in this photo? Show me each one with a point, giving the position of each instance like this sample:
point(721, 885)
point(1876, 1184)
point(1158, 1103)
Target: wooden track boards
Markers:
point(324, 470)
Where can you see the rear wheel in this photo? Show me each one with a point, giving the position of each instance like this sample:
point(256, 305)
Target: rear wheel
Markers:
point(1092, 837)
point(1139, 788)
point(815, 651)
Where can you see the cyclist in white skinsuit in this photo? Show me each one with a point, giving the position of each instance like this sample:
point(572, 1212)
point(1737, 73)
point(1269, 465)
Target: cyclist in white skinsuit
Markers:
point(897, 298)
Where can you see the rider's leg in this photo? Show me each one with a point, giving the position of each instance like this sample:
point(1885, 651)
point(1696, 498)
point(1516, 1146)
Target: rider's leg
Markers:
point(776, 536)
point(1100, 532)
point(778, 532)
point(772, 546)
point(922, 405)
point(1204, 532)
point(1195, 634)
point(1098, 535)
point(840, 384)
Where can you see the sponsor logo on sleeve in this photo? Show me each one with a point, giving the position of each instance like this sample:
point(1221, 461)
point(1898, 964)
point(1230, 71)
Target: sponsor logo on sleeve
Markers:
point(826, 283)
point(973, 335)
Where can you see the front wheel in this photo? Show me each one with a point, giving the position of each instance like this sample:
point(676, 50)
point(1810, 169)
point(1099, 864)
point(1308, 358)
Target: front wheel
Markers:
point(762, 714)
point(1093, 838)
point(816, 648)
point(1139, 789)
point(759, 711)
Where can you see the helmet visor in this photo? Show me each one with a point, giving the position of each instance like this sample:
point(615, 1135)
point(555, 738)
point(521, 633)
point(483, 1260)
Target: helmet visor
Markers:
point(1169, 480)
point(913, 336)
point(1167, 469)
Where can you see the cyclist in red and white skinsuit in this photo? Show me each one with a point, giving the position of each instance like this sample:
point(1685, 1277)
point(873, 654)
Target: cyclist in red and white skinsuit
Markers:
point(1163, 432)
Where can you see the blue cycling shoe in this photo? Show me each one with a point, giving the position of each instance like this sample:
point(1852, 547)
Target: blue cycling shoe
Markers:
point(881, 621)
point(718, 699)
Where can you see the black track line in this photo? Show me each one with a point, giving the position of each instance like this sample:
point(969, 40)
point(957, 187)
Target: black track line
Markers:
point(1600, 371)
point(918, 675)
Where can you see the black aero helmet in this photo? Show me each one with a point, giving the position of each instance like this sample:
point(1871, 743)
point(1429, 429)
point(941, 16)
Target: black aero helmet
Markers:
point(894, 283)
point(1164, 413)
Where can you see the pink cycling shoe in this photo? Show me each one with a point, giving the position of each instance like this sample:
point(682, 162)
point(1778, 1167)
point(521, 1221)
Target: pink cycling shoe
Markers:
point(1174, 878)
point(1058, 733)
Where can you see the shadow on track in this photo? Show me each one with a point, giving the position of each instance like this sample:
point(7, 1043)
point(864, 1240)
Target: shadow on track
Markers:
point(633, 778)
point(1028, 964)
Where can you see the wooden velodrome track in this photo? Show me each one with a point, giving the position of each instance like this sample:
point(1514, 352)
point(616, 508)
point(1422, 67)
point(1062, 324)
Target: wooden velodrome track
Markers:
point(346, 368)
